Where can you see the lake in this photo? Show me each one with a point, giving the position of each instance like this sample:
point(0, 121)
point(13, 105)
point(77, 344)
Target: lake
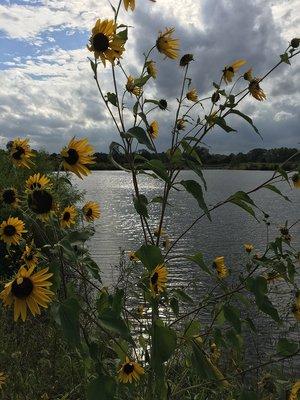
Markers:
point(119, 225)
point(119, 228)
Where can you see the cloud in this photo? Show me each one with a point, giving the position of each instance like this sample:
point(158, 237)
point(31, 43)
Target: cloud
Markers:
point(48, 93)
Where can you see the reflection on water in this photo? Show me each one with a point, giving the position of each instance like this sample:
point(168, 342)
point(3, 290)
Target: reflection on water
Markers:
point(119, 226)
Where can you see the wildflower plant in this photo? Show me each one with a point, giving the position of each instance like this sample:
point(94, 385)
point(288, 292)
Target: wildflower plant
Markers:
point(143, 338)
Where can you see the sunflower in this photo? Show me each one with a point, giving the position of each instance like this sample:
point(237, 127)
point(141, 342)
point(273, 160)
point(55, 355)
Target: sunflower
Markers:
point(2, 379)
point(10, 197)
point(28, 290)
point(296, 180)
point(133, 257)
point(37, 181)
point(180, 124)
point(131, 86)
point(248, 247)
point(219, 264)
point(21, 153)
point(186, 59)
point(129, 3)
point(248, 75)
point(229, 70)
point(256, 91)
point(151, 68)
point(41, 202)
point(30, 256)
point(159, 232)
point(91, 211)
point(104, 41)
point(11, 230)
point(77, 155)
point(130, 371)
point(68, 217)
point(294, 391)
point(167, 45)
point(153, 129)
point(158, 279)
point(192, 95)
point(296, 307)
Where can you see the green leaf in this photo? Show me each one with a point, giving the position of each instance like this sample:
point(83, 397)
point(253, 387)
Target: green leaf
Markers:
point(114, 147)
point(259, 287)
point(283, 173)
point(141, 136)
point(101, 388)
point(198, 259)
point(222, 123)
point(150, 256)
point(276, 190)
point(68, 313)
point(192, 329)
point(123, 35)
point(242, 200)
point(140, 204)
point(234, 339)
point(286, 347)
point(195, 190)
point(285, 58)
point(164, 344)
point(78, 236)
point(248, 395)
point(112, 98)
point(111, 321)
point(198, 170)
point(182, 296)
point(141, 81)
point(159, 169)
point(174, 306)
point(232, 315)
point(246, 118)
point(190, 151)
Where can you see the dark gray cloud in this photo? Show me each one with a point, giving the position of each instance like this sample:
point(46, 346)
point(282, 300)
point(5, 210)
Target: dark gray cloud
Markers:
point(52, 109)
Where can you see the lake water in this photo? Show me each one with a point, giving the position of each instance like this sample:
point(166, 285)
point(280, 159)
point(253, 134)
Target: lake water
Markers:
point(119, 225)
point(119, 228)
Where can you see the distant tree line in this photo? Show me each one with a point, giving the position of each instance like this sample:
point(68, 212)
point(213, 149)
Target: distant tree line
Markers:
point(255, 159)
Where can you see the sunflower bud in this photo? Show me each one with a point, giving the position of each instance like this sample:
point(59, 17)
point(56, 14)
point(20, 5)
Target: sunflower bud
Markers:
point(162, 104)
point(215, 97)
point(295, 43)
point(180, 124)
point(186, 59)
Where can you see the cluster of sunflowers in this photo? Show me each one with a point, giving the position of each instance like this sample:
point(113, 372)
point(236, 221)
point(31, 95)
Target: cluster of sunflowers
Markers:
point(30, 287)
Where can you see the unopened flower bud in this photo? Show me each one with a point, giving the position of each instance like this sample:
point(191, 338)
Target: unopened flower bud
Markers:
point(295, 43)
point(186, 59)
point(215, 97)
point(162, 104)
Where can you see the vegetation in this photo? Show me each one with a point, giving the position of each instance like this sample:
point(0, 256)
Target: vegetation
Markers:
point(145, 338)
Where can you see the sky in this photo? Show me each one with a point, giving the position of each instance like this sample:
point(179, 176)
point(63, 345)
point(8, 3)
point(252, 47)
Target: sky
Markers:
point(47, 90)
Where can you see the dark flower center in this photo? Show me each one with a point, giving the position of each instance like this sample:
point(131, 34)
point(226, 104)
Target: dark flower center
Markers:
point(72, 158)
point(151, 130)
point(22, 290)
point(9, 230)
point(89, 212)
point(9, 196)
point(40, 201)
point(128, 368)
point(17, 155)
point(66, 216)
point(230, 69)
point(162, 104)
point(100, 42)
point(29, 257)
point(154, 278)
